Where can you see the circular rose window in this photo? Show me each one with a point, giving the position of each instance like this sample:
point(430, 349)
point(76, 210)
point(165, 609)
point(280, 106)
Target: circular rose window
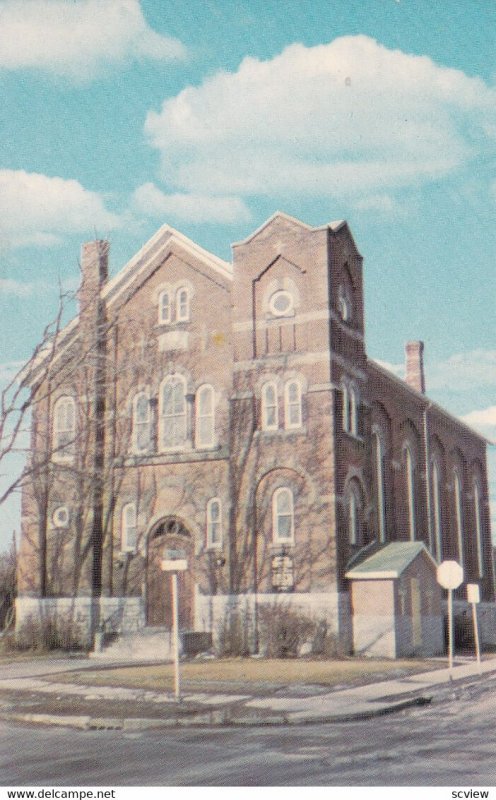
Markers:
point(281, 304)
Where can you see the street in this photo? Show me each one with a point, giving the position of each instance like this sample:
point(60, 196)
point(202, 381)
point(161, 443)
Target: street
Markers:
point(448, 743)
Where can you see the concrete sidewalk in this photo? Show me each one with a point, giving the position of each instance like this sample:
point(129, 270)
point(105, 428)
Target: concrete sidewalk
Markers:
point(29, 692)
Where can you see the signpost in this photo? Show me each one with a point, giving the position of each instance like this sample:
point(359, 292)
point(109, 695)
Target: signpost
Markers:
point(175, 561)
point(450, 576)
point(473, 597)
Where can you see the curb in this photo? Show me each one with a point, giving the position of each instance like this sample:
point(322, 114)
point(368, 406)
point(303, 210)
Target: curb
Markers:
point(214, 718)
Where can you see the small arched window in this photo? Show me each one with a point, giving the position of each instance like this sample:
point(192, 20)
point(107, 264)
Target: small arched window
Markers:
point(182, 305)
point(205, 417)
point(64, 428)
point(478, 528)
point(410, 492)
point(270, 415)
point(292, 405)
point(173, 417)
point(214, 523)
point(344, 304)
point(346, 407)
point(354, 508)
point(129, 531)
point(457, 483)
point(164, 307)
point(141, 423)
point(353, 412)
point(283, 516)
point(380, 486)
point(436, 510)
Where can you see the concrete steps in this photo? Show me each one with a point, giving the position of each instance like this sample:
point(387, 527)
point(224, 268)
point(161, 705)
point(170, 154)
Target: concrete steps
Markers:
point(148, 644)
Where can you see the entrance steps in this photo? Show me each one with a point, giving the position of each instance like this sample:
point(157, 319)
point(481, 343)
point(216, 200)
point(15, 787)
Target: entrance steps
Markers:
point(148, 644)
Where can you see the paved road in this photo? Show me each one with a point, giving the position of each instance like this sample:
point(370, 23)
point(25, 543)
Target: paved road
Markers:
point(450, 743)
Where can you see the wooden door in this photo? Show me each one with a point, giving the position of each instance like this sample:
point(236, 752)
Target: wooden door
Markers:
point(159, 593)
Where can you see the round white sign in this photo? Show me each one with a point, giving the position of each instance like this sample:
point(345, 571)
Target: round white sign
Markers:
point(450, 574)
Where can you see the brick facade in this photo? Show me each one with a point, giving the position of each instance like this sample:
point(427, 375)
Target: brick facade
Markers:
point(231, 411)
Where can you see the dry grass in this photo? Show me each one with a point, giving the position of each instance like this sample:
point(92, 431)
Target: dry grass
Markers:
point(237, 671)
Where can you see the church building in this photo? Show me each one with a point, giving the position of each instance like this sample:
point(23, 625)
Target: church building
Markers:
point(229, 412)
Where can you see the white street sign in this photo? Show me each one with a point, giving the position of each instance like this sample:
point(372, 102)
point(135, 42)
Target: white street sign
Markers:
point(473, 593)
point(174, 564)
point(450, 575)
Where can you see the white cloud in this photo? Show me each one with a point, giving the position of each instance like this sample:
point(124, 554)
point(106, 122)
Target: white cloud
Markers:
point(462, 371)
point(150, 200)
point(78, 38)
point(483, 420)
point(8, 370)
point(9, 286)
point(396, 369)
point(37, 209)
point(349, 119)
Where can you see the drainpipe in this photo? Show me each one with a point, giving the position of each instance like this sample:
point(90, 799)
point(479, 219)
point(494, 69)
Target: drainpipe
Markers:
point(428, 476)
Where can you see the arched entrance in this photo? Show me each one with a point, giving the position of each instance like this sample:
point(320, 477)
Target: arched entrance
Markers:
point(168, 534)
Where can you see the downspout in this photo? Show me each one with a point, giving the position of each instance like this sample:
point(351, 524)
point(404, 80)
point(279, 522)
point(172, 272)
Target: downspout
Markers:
point(428, 476)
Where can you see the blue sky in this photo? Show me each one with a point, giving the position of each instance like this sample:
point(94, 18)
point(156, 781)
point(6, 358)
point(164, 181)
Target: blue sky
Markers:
point(118, 116)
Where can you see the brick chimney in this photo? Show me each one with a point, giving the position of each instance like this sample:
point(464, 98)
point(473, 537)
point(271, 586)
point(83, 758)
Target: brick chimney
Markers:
point(415, 378)
point(94, 273)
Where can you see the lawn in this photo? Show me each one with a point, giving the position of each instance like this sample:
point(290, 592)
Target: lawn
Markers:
point(240, 671)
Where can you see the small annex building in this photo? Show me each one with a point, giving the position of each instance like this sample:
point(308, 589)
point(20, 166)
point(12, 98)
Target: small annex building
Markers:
point(396, 603)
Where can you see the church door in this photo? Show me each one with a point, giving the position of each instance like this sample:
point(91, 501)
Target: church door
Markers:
point(169, 535)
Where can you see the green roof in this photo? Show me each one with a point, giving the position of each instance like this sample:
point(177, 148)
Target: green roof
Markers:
point(390, 561)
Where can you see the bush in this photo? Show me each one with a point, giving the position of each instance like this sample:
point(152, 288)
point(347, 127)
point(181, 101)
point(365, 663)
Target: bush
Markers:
point(233, 633)
point(50, 632)
point(283, 629)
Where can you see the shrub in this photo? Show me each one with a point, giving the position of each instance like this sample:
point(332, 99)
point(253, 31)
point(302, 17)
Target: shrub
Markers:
point(283, 629)
point(50, 632)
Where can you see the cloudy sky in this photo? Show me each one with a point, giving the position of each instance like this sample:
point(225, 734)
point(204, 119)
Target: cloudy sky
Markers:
point(120, 115)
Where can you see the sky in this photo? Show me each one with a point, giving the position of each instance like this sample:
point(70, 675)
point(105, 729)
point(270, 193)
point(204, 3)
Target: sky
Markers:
point(119, 115)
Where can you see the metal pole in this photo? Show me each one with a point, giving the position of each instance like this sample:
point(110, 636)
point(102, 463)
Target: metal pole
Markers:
point(175, 635)
point(476, 635)
point(450, 629)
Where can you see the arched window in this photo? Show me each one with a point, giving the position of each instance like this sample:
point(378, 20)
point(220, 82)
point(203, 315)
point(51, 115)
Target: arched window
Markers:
point(346, 407)
point(164, 307)
point(354, 507)
point(182, 305)
point(292, 405)
point(459, 515)
point(214, 523)
point(353, 413)
point(478, 528)
point(379, 486)
point(283, 516)
point(129, 532)
point(173, 418)
point(205, 417)
point(410, 492)
point(270, 415)
point(344, 304)
point(64, 428)
point(436, 510)
point(141, 423)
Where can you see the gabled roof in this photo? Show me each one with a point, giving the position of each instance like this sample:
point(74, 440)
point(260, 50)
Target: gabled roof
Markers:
point(334, 226)
point(389, 562)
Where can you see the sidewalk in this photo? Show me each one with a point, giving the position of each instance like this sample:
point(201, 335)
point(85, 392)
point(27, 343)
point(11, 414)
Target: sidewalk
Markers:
point(29, 692)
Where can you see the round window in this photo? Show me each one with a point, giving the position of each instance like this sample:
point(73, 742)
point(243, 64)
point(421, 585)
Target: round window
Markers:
point(281, 304)
point(60, 517)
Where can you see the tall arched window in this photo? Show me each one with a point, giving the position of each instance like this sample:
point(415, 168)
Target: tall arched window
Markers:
point(353, 412)
point(459, 515)
point(292, 405)
point(283, 516)
point(270, 415)
point(129, 531)
point(380, 486)
point(173, 417)
point(436, 510)
point(141, 423)
point(164, 307)
point(182, 305)
point(64, 428)
point(354, 506)
point(410, 492)
point(205, 417)
point(346, 421)
point(214, 523)
point(478, 528)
